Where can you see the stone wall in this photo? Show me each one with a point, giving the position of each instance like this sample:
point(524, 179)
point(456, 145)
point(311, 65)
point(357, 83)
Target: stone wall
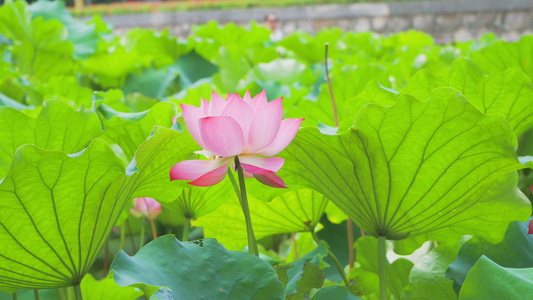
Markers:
point(445, 20)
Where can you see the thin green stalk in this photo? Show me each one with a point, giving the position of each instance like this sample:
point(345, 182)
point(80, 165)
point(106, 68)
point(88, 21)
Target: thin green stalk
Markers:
point(122, 236)
point(61, 294)
point(335, 260)
point(295, 246)
point(349, 223)
point(186, 229)
point(351, 252)
point(15, 297)
point(141, 242)
point(36, 294)
point(77, 291)
point(252, 244)
point(235, 186)
point(154, 231)
point(382, 267)
point(130, 233)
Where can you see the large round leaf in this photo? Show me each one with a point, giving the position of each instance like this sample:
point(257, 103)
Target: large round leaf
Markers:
point(169, 269)
point(56, 212)
point(423, 170)
point(508, 93)
point(58, 127)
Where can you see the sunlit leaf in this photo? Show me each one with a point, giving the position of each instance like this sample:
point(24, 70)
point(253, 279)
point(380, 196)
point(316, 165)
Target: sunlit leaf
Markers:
point(293, 211)
point(129, 130)
point(58, 127)
point(417, 170)
point(106, 288)
point(427, 279)
point(57, 212)
point(508, 93)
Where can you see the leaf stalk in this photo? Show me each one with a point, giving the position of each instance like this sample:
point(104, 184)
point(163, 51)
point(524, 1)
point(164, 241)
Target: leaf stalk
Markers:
point(382, 267)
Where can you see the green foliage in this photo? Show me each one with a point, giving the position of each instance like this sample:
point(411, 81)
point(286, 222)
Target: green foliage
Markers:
point(366, 272)
point(488, 280)
point(54, 241)
point(226, 224)
point(191, 270)
point(416, 170)
point(92, 289)
point(78, 104)
point(334, 292)
point(508, 93)
point(515, 251)
point(58, 127)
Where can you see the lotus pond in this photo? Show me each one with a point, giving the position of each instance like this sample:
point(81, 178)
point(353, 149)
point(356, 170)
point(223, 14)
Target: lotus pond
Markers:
point(225, 166)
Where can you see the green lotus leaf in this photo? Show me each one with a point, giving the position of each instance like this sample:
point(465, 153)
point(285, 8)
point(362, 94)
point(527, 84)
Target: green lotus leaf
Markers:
point(334, 292)
point(68, 89)
point(152, 83)
point(502, 55)
point(194, 202)
point(162, 48)
point(153, 161)
point(84, 36)
point(169, 269)
point(106, 288)
point(40, 48)
point(508, 93)
point(427, 279)
point(488, 280)
point(56, 213)
point(304, 274)
point(419, 170)
point(57, 127)
point(110, 68)
point(294, 211)
point(129, 130)
point(513, 252)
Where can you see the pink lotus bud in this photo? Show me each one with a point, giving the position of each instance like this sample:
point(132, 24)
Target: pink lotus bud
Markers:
point(146, 207)
point(530, 227)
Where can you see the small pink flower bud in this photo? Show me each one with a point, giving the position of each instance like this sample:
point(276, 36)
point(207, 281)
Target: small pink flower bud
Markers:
point(530, 227)
point(146, 207)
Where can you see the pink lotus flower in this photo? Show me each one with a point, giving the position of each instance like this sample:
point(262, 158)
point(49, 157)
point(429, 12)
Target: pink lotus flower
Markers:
point(225, 128)
point(146, 207)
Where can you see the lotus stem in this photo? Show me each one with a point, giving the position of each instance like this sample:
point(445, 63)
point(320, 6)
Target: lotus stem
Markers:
point(77, 292)
point(333, 104)
point(382, 267)
point(141, 242)
point(243, 199)
point(351, 252)
point(61, 294)
point(349, 222)
point(131, 236)
point(106, 259)
point(15, 297)
point(186, 228)
point(154, 232)
point(122, 236)
point(36, 294)
point(334, 258)
point(295, 246)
